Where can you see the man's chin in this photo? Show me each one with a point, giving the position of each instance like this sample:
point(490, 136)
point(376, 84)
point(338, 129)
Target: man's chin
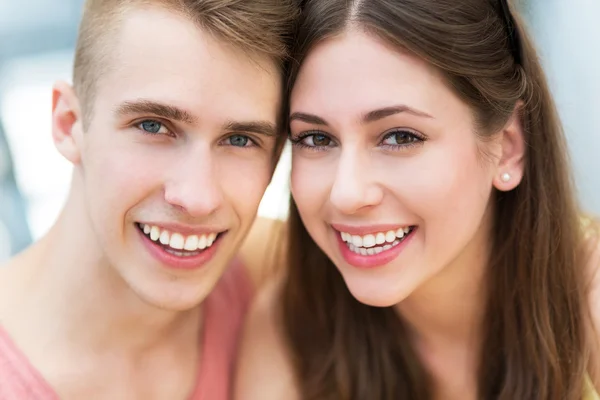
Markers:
point(174, 295)
point(180, 302)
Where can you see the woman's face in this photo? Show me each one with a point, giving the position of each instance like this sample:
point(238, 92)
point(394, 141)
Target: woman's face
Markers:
point(388, 174)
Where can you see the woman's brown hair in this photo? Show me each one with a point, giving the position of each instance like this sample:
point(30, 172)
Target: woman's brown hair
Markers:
point(534, 343)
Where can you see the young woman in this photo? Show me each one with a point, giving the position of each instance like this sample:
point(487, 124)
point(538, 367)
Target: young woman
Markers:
point(436, 249)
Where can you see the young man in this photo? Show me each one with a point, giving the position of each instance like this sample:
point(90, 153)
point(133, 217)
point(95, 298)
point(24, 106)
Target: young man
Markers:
point(172, 126)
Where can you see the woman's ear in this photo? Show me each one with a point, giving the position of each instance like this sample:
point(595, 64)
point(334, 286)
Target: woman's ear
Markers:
point(511, 165)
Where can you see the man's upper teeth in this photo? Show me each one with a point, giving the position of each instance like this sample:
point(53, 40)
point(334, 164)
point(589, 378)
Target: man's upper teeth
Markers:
point(374, 239)
point(179, 241)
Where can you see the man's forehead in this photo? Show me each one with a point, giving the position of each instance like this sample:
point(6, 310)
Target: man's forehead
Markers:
point(155, 32)
point(188, 69)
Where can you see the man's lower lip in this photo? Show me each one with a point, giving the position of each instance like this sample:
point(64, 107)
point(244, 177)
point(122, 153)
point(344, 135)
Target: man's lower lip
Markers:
point(375, 260)
point(159, 253)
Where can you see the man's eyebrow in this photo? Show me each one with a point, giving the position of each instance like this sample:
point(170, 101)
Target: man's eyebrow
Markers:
point(381, 113)
point(259, 127)
point(155, 108)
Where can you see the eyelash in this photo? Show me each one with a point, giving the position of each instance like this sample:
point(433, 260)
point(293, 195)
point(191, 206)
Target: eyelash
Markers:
point(169, 133)
point(251, 141)
point(299, 140)
point(138, 125)
point(417, 138)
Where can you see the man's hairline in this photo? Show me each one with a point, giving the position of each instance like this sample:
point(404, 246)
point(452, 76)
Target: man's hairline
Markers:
point(107, 58)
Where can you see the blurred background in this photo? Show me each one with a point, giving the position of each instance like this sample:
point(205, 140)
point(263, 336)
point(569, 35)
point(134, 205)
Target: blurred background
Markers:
point(37, 39)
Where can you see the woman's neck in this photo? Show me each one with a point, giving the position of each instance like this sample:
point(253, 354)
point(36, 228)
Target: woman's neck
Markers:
point(449, 308)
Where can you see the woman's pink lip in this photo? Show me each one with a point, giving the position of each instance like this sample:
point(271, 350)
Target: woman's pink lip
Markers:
point(172, 261)
point(375, 260)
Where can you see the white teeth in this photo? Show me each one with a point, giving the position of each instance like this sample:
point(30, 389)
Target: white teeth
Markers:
point(211, 239)
point(165, 238)
point(202, 242)
point(390, 236)
point(154, 233)
point(384, 240)
point(357, 241)
point(369, 241)
point(177, 241)
point(372, 250)
point(191, 243)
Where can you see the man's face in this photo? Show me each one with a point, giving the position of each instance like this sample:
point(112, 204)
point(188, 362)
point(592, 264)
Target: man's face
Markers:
point(177, 156)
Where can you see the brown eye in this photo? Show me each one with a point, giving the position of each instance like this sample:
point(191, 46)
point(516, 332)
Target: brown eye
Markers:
point(321, 140)
point(316, 140)
point(313, 141)
point(401, 138)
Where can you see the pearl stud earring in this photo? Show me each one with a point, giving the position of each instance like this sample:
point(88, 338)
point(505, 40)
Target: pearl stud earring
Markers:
point(505, 177)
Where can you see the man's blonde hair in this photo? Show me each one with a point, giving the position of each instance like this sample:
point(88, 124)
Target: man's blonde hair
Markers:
point(261, 28)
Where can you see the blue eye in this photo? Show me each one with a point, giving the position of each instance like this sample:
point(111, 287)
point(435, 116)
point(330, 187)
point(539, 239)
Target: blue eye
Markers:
point(153, 127)
point(239, 141)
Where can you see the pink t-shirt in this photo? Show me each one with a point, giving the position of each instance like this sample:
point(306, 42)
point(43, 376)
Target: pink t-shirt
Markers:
point(224, 313)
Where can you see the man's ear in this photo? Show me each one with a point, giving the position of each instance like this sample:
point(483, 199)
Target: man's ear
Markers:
point(511, 165)
point(67, 124)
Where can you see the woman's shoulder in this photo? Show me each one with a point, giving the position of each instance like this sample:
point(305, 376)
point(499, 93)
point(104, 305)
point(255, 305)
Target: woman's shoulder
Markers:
point(591, 236)
point(591, 233)
point(263, 250)
point(590, 225)
point(264, 369)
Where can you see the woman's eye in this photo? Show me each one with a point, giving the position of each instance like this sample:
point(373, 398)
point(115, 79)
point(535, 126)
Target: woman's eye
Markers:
point(239, 141)
point(401, 138)
point(316, 140)
point(153, 127)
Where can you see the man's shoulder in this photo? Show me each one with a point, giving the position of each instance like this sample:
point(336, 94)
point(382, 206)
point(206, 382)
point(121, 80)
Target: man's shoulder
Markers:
point(234, 289)
point(11, 273)
point(18, 378)
point(265, 370)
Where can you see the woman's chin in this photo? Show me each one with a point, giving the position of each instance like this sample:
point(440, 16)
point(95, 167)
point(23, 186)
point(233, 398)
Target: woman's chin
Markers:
point(376, 296)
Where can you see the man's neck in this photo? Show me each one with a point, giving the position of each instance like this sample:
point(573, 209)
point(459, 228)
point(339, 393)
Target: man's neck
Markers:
point(63, 288)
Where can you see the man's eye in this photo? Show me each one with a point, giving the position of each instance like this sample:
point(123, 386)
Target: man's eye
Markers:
point(239, 141)
point(153, 127)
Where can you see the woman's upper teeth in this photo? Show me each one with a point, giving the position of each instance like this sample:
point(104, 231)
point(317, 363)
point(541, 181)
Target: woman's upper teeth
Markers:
point(374, 239)
point(178, 241)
